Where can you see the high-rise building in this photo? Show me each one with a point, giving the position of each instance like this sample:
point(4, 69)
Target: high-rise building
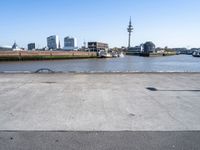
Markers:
point(31, 46)
point(53, 42)
point(70, 43)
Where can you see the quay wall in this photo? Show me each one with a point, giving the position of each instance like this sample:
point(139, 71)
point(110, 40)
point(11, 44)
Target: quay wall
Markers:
point(40, 55)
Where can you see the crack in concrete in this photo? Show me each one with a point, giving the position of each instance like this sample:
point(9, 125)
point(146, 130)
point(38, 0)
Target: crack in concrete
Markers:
point(168, 112)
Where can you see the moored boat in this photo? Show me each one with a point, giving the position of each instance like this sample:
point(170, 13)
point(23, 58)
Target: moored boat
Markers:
point(121, 55)
point(196, 54)
point(104, 54)
point(114, 54)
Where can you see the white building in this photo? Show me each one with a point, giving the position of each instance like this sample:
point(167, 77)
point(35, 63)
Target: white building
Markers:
point(5, 48)
point(70, 43)
point(53, 42)
point(15, 47)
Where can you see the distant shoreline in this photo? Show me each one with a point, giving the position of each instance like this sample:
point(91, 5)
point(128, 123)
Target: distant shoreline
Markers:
point(44, 55)
point(152, 54)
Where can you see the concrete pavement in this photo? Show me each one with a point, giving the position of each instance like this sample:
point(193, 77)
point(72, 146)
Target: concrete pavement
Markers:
point(100, 102)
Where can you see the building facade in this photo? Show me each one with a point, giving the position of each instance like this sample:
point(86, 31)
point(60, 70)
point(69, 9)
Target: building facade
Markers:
point(149, 47)
point(5, 48)
point(53, 42)
point(31, 46)
point(97, 46)
point(135, 50)
point(70, 43)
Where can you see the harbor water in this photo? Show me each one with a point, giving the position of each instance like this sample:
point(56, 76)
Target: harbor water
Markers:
point(178, 63)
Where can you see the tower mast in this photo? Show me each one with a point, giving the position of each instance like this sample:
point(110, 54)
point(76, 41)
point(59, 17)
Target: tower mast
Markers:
point(130, 30)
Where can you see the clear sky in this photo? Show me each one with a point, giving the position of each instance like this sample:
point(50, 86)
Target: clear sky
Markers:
point(172, 23)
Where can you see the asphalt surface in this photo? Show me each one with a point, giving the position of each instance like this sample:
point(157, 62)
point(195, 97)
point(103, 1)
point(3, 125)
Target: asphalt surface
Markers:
point(99, 140)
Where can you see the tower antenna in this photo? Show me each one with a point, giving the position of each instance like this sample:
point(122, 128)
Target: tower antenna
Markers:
point(130, 30)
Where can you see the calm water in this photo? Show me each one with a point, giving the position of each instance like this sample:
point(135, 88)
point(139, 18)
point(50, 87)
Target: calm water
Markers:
point(180, 63)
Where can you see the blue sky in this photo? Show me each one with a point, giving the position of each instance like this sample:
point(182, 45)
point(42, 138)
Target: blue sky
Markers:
point(172, 23)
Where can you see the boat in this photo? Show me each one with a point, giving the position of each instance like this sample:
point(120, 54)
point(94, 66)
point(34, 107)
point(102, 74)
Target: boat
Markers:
point(104, 54)
point(178, 53)
point(115, 55)
point(121, 55)
point(196, 54)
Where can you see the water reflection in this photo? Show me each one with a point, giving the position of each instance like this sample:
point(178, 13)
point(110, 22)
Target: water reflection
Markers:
point(180, 63)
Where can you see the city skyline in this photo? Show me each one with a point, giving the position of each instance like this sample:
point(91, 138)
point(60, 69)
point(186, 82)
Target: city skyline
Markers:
point(172, 23)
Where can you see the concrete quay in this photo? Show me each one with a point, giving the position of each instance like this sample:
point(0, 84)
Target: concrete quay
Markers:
point(115, 111)
point(100, 102)
point(44, 55)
